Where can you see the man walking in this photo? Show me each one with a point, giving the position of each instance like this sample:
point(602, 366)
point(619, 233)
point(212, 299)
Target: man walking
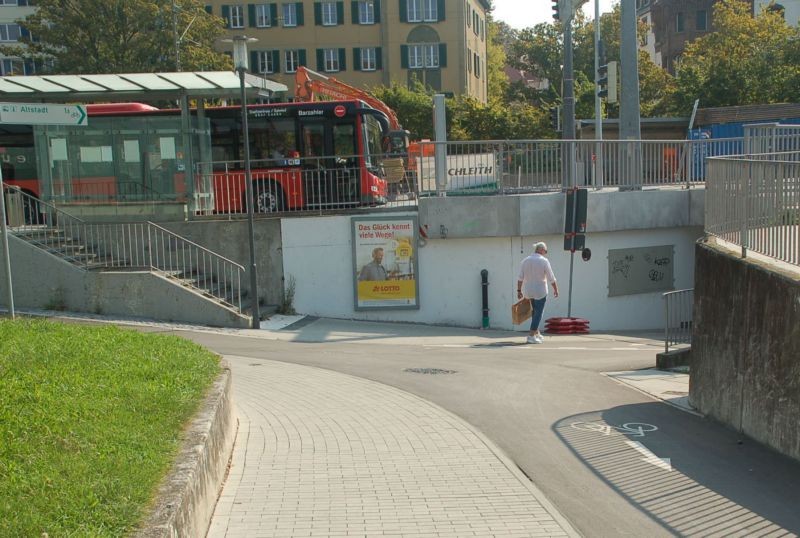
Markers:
point(534, 274)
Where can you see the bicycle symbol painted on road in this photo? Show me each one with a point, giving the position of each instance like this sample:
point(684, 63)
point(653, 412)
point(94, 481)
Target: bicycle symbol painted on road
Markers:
point(633, 429)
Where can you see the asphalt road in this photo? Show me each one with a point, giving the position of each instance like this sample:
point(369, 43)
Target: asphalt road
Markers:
point(595, 447)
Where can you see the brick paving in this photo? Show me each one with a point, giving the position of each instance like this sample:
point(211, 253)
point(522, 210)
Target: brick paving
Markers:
point(320, 453)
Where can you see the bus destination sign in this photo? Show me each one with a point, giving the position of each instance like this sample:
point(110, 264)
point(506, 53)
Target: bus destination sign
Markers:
point(43, 114)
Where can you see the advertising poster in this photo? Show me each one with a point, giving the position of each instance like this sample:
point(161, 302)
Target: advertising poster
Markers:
point(385, 262)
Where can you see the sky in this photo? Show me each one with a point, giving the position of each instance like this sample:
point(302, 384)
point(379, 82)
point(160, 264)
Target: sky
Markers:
point(526, 13)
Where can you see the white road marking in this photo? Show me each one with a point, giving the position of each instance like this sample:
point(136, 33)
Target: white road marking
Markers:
point(649, 457)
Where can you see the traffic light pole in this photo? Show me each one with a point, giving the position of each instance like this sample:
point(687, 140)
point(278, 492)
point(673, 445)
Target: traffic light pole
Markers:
point(569, 138)
point(598, 109)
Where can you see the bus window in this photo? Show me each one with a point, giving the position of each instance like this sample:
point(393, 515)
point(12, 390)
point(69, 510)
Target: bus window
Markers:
point(373, 140)
point(313, 139)
point(272, 138)
point(344, 140)
point(224, 141)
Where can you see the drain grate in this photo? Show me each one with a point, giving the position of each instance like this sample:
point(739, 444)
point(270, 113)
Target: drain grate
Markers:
point(430, 371)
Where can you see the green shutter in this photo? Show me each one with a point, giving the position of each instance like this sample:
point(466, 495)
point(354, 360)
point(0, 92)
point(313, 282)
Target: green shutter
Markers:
point(403, 11)
point(440, 9)
point(209, 9)
point(378, 58)
point(356, 59)
point(442, 54)
point(254, 67)
point(273, 14)
point(320, 60)
point(404, 56)
point(339, 13)
point(303, 61)
point(300, 20)
point(342, 59)
point(318, 13)
point(226, 14)
point(251, 15)
point(276, 61)
point(377, 10)
point(354, 12)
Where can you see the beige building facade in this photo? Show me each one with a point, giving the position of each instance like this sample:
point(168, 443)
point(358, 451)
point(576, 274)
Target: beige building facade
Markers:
point(366, 43)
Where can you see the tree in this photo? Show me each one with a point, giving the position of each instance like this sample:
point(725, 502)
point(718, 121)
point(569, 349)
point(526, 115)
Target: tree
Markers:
point(747, 60)
point(118, 36)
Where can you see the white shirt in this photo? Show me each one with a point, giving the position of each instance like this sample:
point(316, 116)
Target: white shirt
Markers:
point(535, 272)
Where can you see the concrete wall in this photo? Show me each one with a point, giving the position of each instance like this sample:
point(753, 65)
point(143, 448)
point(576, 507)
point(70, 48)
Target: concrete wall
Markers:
point(229, 238)
point(43, 281)
point(496, 233)
point(746, 346)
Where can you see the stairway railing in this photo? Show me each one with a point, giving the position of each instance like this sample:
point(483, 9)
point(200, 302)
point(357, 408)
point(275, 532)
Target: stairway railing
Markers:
point(143, 246)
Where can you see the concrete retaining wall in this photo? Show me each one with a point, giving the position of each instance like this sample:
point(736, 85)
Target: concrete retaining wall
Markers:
point(43, 281)
point(186, 499)
point(746, 346)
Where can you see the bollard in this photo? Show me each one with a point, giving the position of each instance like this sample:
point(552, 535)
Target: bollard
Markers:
point(485, 297)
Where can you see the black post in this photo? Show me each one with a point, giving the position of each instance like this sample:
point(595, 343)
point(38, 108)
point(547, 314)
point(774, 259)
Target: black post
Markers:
point(250, 203)
point(485, 297)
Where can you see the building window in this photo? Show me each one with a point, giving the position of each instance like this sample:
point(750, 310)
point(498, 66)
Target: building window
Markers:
point(331, 59)
point(266, 61)
point(290, 15)
point(422, 11)
point(236, 19)
point(368, 59)
point(329, 14)
point(423, 56)
point(366, 12)
point(679, 23)
point(477, 65)
point(292, 60)
point(702, 20)
point(263, 19)
point(9, 32)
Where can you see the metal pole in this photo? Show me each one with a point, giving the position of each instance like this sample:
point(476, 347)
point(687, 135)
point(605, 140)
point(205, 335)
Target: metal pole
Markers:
point(629, 121)
point(6, 255)
point(598, 108)
point(250, 203)
point(177, 38)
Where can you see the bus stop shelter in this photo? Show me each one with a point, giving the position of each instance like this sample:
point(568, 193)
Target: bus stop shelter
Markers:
point(118, 148)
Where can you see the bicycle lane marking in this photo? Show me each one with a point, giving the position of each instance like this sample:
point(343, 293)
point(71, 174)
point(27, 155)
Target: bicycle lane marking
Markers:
point(631, 429)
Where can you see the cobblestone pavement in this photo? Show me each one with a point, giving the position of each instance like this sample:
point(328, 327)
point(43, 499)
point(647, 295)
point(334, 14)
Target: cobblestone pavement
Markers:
point(320, 453)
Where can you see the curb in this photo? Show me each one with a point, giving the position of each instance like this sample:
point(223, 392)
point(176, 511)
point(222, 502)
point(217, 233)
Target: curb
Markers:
point(186, 498)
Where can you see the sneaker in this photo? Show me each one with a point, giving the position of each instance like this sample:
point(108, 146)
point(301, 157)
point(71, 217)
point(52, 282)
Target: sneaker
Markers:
point(533, 340)
point(539, 338)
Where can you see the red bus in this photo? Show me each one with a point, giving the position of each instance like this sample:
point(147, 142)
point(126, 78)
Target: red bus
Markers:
point(303, 156)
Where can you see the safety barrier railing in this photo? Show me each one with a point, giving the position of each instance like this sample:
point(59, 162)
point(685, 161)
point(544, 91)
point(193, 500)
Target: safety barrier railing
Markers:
point(111, 190)
point(678, 307)
point(506, 167)
point(313, 184)
point(753, 201)
point(143, 245)
point(771, 138)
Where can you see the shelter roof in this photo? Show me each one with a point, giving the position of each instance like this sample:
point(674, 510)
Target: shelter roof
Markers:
point(133, 86)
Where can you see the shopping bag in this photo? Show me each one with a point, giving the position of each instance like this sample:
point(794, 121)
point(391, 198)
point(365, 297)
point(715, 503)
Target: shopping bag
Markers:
point(521, 311)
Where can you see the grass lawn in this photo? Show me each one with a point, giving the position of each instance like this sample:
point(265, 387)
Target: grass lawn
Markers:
point(90, 421)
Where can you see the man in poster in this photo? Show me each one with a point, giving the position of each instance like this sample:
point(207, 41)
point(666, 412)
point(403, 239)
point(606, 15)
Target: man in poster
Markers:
point(374, 270)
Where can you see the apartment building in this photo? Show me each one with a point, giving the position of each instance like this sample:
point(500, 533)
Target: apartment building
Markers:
point(366, 43)
point(10, 31)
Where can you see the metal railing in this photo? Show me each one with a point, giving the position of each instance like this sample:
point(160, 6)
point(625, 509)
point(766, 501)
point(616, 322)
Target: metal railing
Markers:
point(678, 317)
point(131, 246)
point(506, 167)
point(753, 201)
point(309, 184)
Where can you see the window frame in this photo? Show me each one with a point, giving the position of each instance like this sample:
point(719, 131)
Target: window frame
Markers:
point(680, 22)
point(369, 59)
point(330, 57)
point(263, 16)
point(289, 11)
point(705, 20)
point(293, 56)
point(328, 13)
point(6, 31)
point(236, 16)
point(366, 12)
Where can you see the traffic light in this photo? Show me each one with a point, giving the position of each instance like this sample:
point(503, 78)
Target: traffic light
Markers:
point(607, 82)
point(556, 10)
point(555, 118)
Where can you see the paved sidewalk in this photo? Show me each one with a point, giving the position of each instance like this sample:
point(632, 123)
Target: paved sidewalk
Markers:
point(321, 453)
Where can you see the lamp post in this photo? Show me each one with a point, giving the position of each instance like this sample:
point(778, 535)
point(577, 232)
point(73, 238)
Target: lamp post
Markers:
point(240, 64)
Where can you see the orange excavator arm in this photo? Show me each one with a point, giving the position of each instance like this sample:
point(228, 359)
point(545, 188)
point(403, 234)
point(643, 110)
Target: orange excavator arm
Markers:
point(312, 86)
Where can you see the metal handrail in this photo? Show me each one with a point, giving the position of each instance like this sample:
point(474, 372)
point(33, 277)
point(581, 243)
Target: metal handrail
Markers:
point(678, 307)
point(144, 245)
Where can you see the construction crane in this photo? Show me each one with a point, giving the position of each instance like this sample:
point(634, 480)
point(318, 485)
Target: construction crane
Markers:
point(312, 86)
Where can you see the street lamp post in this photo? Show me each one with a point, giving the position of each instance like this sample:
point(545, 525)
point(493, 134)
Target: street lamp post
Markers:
point(240, 64)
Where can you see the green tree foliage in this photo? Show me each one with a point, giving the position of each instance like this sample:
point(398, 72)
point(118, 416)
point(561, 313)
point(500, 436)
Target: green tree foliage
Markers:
point(413, 107)
point(118, 36)
point(747, 60)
